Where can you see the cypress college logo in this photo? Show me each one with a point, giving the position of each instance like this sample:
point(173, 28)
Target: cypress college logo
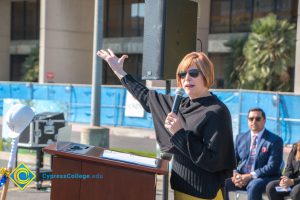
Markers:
point(22, 176)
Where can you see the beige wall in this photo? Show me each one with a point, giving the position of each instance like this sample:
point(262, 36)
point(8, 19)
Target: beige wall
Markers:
point(66, 40)
point(4, 39)
point(203, 24)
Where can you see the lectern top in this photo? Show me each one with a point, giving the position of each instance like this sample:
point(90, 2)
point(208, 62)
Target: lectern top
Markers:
point(95, 154)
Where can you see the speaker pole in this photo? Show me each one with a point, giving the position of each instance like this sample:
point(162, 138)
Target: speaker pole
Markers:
point(168, 87)
point(167, 156)
point(97, 64)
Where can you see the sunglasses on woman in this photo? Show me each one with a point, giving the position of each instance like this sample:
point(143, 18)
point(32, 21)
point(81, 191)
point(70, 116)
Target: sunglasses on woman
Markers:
point(192, 72)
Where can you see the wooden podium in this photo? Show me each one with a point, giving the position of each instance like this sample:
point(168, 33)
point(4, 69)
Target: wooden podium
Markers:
point(119, 180)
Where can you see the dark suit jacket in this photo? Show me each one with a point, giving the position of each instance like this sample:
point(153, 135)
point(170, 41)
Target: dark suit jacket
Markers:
point(268, 156)
point(292, 169)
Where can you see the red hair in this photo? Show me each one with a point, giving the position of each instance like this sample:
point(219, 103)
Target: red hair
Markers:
point(202, 62)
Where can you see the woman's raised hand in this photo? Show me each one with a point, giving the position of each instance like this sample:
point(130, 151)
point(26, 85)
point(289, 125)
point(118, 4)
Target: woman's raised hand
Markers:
point(115, 63)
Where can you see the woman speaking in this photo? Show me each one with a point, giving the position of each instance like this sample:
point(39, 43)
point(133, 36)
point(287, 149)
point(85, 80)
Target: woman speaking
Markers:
point(199, 136)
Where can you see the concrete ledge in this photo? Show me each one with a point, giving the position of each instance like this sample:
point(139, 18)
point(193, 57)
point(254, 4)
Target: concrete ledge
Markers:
point(242, 195)
point(120, 131)
point(96, 136)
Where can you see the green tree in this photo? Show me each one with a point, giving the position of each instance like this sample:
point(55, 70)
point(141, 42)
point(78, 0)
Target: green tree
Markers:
point(31, 66)
point(236, 63)
point(267, 56)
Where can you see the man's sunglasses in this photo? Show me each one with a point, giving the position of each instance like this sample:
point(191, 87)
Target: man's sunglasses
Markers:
point(193, 73)
point(256, 119)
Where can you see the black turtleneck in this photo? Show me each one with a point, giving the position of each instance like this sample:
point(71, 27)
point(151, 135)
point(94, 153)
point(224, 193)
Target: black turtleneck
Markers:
point(203, 150)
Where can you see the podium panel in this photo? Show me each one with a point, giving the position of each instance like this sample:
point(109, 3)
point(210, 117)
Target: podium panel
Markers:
point(65, 188)
point(117, 183)
point(115, 180)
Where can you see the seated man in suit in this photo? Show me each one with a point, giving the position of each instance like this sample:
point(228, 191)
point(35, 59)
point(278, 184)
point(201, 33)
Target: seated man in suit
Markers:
point(259, 156)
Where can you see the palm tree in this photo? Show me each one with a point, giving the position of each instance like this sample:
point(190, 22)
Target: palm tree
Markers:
point(236, 63)
point(31, 66)
point(269, 53)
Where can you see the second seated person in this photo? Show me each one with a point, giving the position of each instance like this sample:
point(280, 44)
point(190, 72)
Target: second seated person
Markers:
point(290, 179)
point(199, 136)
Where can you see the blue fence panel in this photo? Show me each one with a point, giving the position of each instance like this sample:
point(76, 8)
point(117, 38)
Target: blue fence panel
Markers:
point(163, 91)
point(110, 96)
point(290, 118)
point(149, 120)
point(272, 125)
point(248, 100)
point(137, 122)
point(81, 94)
point(4, 93)
point(109, 116)
point(266, 101)
point(120, 107)
point(232, 100)
point(5, 90)
point(290, 106)
point(243, 124)
point(131, 121)
point(40, 92)
point(110, 105)
point(282, 112)
point(59, 93)
point(142, 122)
point(269, 103)
point(21, 91)
point(1, 107)
point(292, 135)
point(80, 113)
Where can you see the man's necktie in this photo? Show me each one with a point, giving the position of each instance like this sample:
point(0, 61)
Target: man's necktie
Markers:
point(250, 162)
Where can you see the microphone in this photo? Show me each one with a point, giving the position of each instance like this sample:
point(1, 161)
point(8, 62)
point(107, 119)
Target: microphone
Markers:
point(179, 93)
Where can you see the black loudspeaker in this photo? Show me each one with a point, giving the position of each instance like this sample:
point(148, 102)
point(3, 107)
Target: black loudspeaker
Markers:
point(170, 28)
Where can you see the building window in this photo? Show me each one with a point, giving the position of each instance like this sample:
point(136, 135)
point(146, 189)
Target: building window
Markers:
point(287, 10)
point(237, 15)
point(114, 18)
point(263, 8)
point(25, 22)
point(123, 18)
point(16, 69)
point(220, 16)
point(241, 18)
point(133, 18)
point(132, 66)
point(219, 60)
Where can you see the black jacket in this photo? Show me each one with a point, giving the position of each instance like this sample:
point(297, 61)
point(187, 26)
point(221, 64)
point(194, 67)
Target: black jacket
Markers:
point(292, 169)
point(203, 150)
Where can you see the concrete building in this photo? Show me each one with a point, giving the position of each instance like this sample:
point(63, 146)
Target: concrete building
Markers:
point(62, 30)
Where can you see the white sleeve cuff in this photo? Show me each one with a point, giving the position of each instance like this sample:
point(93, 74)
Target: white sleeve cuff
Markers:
point(254, 175)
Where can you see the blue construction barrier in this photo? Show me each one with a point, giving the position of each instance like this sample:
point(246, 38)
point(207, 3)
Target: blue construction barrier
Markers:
point(281, 109)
